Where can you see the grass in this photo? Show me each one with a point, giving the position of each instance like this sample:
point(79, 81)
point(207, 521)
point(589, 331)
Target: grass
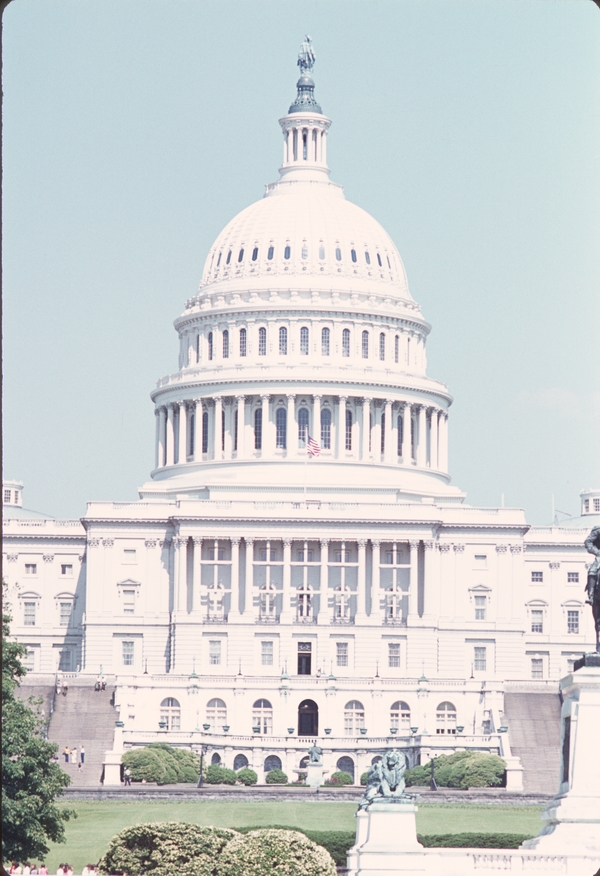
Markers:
point(89, 834)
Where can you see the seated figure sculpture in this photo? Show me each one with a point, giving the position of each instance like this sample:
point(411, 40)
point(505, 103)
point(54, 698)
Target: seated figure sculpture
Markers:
point(385, 780)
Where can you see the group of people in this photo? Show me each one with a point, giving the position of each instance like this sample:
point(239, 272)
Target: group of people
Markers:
point(100, 683)
point(29, 869)
point(73, 755)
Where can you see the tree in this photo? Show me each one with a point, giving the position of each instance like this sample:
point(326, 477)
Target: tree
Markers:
point(31, 781)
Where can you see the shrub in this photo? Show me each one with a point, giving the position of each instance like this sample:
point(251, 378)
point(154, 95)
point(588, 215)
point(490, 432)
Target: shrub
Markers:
point(276, 777)
point(218, 775)
point(272, 852)
point(162, 764)
point(340, 778)
point(463, 769)
point(247, 776)
point(364, 777)
point(165, 848)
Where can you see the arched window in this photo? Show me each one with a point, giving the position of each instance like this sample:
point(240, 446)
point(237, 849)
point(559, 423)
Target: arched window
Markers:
point(272, 762)
point(262, 342)
point(308, 718)
point(226, 344)
point(383, 433)
point(346, 343)
point(281, 428)
point(396, 349)
point(321, 252)
point(197, 348)
point(354, 717)
point(346, 765)
point(215, 759)
point(365, 345)
point(170, 713)
point(262, 717)
point(338, 254)
point(382, 347)
point(348, 429)
point(270, 253)
point(445, 718)
point(367, 258)
point(204, 431)
point(240, 255)
point(341, 603)
point(243, 342)
point(287, 252)
point(228, 257)
point(268, 596)
point(302, 427)
point(222, 430)
point(326, 429)
point(304, 341)
point(283, 341)
point(400, 425)
point(191, 437)
point(219, 259)
point(235, 429)
point(258, 429)
point(210, 345)
point(413, 437)
point(216, 713)
point(400, 715)
point(388, 261)
point(255, 254)
point(379, 260)
point(408, 351)
point(325, 335)
point(304, 251)
point(240, 762)
point(353, 255)
point(304, 611)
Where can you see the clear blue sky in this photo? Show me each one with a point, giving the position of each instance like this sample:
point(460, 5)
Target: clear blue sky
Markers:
point(135, 129)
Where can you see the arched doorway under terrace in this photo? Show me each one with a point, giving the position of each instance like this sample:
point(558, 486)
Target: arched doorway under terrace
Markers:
point(308, 718)
point(346, 765)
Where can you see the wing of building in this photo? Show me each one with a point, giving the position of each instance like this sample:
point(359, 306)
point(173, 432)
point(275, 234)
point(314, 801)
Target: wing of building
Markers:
point(299, 562)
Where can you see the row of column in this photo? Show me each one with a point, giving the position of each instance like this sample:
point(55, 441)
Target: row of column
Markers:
point(366, 609)
point(316, 144)
point(208, 429)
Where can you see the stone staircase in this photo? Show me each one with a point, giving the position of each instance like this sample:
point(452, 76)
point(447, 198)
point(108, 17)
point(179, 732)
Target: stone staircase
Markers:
point(533, 720)
point(84, 717)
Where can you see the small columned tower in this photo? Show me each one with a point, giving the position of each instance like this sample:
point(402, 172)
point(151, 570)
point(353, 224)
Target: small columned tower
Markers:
point(305, 127)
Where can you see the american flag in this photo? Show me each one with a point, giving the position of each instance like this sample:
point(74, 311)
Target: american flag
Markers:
point(313, 447)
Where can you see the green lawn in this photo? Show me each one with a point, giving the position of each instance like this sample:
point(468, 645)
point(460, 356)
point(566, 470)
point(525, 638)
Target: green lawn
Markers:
point(89, 834)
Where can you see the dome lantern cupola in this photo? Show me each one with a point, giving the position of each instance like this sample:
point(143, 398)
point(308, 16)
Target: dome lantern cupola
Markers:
point(305, 127)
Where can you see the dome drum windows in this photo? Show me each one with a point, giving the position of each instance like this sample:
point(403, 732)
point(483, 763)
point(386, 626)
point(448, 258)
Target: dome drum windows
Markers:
point(338, 254)
point(321, 252)
point(353, 255)
point(304, 341)
point(226, 344)
point(367, 258)
point(365, 345)
point(382, 347)
point(228, 259)
point(302, 427)
point(210, 346)
point(326, 429)
point(270, 253)
point(243, 342)
point(281, 429)
point(240, 256)
point(283, 341)
point(255, 254)
point(325, 341)
point(262, 342)
point(287, 253)
point(346, 343)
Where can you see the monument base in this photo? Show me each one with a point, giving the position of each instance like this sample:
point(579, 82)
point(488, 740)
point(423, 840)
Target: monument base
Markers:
point(386, 841)
point(314, 775)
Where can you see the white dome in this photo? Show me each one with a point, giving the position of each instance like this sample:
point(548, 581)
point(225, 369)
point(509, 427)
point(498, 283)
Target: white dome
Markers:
point(302, 232)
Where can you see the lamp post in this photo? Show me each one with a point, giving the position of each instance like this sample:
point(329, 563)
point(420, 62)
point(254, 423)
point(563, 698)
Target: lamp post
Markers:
point(203, 750)
point(433, 784)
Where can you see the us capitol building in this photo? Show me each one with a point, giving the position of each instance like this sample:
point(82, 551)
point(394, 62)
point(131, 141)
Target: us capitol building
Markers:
point(299, 563)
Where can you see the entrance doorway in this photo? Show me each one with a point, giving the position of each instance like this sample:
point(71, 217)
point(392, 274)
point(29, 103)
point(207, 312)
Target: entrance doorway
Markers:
point(308, 718)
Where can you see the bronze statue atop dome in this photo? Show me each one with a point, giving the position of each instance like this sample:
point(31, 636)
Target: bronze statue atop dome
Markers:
point(306, 57)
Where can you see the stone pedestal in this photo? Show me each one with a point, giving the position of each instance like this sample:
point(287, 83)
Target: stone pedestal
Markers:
point(386, 841)
point(572, 818)
point(112, 768)
point(314, 775)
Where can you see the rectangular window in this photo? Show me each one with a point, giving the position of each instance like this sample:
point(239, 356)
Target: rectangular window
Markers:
point(31, 568)
point(537, 577)
point(573, 622)
point(29, 614)
point(302, 559)
point(266, 653)
point(214, 652)
point(129, 556)
point(219, 554)
point(479, 659)
point(481, 560)
point(243, 342)
point(272, 556)
point(394, 655)
point(341, 653)
point(65, 613)
point(66, 569)
point(537, 667)
point(596, 505)
point(128, 653)
point(342, 556)
point(537, 621)
point(572, 577)
point(7, 495)
point(129, 602)
point(29, 660)
point(480, 602)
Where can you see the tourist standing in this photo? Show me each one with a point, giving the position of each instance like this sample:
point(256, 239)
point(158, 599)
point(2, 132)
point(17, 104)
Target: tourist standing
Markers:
point(43, 870)
point(127, 776)
point(82, 754)
point(74, 755)
point(66, 753)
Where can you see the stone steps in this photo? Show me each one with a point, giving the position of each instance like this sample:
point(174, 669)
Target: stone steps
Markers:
point(533, 721)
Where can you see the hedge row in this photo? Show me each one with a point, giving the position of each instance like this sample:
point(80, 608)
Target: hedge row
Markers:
point(463, 769)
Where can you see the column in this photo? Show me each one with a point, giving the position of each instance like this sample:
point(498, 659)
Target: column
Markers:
point(361, 613)
point(388, 432)
point(170, 435)
point(190, 348)
point(406, 430)
point(443, 441)
point(341, 436)
point(286, 611)
point(267, 450)
point(316, 423)
point(431, 582)
point(197, 448)
point(196, 570)
point(376, 592)
point(413, 585)
point(422, 437)
point(433, 455)
point(228, 452)
point(234, 608)
point(291, 427)
point(323, 617)
point(160, 436)
point(366, 426)
point(182, 450)
point(179, 572)
point(218, 429)
point(249, 582)
point(241, 429)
